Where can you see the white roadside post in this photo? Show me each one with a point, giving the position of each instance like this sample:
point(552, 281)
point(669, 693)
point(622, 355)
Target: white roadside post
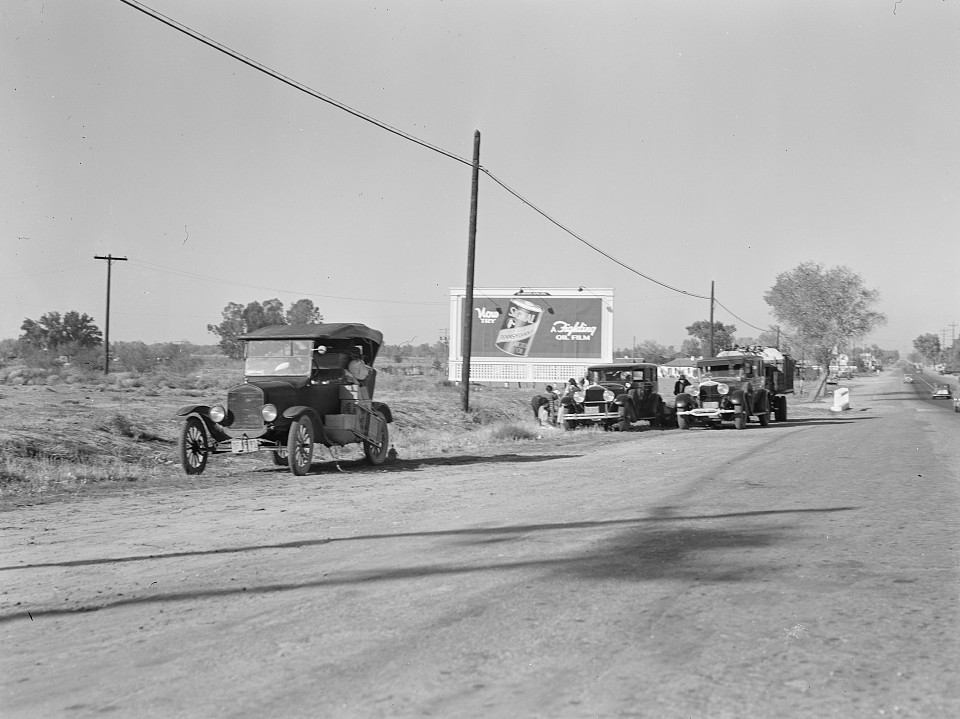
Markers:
point(841, 400)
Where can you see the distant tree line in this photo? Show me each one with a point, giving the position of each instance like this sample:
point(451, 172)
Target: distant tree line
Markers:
point(239, 319)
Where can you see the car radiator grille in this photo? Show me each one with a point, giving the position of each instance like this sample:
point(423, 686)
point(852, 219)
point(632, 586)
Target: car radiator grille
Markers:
point(244, 404)
point(709, 394)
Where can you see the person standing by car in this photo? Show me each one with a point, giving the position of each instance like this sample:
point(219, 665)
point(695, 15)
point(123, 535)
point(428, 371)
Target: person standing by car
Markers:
point(569, 389)
point(547, 411)
point(681, 384)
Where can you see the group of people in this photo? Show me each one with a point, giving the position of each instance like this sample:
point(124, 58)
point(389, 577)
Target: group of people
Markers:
point(547, 407)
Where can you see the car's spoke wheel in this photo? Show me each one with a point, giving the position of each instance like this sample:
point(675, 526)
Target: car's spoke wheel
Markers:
point(281, 458)
point(378, 455)
point(300, 446)
point(193, 446)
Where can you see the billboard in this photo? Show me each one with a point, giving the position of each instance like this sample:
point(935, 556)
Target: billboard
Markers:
point(565, 325)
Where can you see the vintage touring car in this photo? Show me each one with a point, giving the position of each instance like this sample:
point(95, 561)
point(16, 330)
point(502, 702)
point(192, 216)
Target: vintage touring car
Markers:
point(614, 397)
point(303, 384)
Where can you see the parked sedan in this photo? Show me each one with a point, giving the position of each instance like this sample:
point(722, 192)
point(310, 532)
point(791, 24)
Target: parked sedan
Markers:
point(942, 391)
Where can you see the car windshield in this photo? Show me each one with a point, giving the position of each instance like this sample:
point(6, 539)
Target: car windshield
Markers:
point(277, 358)
point(621, 376)
point(722, 370)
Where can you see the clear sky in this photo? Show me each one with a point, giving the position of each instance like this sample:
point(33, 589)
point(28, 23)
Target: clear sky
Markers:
point(695, 141)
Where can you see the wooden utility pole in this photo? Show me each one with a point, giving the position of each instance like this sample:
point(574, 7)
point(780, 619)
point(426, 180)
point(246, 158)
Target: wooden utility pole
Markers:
point(712, 353)
point(106, 333)
point(466, 342)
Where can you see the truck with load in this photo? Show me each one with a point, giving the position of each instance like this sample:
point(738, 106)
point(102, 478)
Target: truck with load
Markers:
point(736, 384)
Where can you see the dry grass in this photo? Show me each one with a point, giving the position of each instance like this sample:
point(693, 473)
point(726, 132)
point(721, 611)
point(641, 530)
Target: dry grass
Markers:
point(68, 438)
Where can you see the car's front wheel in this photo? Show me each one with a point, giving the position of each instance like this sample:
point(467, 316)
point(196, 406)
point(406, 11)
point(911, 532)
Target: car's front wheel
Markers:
point(193, 446)
point(378, 455)
point(683, 422)
point(300, 446)
point(764, 416)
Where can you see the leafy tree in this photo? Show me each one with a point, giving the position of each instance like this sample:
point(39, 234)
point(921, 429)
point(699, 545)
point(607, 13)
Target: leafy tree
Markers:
point(928, 346)
point(827, 308)
point(691, 348)
point(238, 319)
point(232, 326)
point(722, 335)
point(303, 312)
point(61, 334)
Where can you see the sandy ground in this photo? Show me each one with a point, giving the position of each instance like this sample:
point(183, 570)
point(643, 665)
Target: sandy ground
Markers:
point(804, 569)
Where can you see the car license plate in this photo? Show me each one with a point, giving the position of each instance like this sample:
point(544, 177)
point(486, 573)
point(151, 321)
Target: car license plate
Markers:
point(239, 446)
point(591, 410)
point(711, 405)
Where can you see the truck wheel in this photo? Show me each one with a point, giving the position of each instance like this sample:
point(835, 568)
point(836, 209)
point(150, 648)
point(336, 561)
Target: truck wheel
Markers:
point(193, 446)
point(378, 455)
point(683, 422)
point(781, 408)
point(300, 446)
point(740, 419)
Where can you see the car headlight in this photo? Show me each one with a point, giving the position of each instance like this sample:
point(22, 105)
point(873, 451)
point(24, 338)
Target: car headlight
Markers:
point(608, 395)
point(269, 413)
point(218, 413)
point(723, 388)
point(578, 397)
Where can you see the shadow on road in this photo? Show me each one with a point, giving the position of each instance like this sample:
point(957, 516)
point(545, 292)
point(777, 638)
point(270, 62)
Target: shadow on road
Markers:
point(650, 548)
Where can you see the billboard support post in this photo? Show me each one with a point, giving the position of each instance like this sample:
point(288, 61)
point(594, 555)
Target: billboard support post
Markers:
point(468, 302)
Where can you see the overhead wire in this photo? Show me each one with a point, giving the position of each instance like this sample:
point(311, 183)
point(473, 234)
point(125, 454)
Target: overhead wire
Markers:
point(260, 67)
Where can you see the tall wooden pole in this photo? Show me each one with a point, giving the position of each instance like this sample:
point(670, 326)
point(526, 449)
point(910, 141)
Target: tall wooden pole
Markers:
point(466, 343)
point(712, 353)
point(106, 333)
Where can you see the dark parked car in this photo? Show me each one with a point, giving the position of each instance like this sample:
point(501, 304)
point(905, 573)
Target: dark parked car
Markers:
point(615, 396)
point(303, 384)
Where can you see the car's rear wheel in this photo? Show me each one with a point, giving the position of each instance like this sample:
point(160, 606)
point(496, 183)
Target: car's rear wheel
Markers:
point(193, 446)
point(378, 455)
point(300, 446)
point(281, 458)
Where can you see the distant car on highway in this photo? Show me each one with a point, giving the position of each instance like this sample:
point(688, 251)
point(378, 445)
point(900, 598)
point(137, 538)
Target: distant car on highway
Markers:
point(908, 378)
point(942, 391)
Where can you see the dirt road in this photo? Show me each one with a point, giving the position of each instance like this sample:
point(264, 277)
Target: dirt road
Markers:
point(804, 569)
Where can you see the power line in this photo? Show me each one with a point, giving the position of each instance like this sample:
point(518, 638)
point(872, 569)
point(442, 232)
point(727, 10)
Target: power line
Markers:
point(180, 27)
point(573, 234)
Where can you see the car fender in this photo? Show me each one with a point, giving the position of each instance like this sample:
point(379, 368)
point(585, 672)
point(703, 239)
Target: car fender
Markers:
point(761, 400)
point(298, 411)
point(685, 401)
point(383, 410)
point(202, 412)
point(738, 398)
